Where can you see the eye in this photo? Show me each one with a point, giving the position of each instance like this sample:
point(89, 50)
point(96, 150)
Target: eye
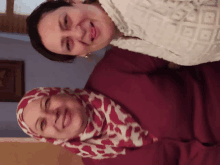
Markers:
point(43, 124)
point(66, 22)
point(47, 103)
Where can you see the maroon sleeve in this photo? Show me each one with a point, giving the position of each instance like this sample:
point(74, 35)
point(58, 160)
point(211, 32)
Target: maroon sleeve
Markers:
point(133, 62)
point(176, 104)
point(166, 152)
point(182, 106)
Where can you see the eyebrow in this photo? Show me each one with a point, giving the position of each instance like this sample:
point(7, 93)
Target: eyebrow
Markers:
point(41, 107)
point(60, 23)
point(36, 123)
point(41, 104)
point(62, 42)
point(62, 29)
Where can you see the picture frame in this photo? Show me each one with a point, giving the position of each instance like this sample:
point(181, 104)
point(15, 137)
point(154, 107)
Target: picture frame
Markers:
point(12, 85)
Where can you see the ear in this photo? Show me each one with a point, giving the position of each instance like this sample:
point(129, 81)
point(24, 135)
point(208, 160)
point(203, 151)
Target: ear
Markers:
point(82, 55)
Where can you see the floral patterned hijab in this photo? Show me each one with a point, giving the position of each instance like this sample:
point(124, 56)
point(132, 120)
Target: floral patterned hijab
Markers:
point(110, 131)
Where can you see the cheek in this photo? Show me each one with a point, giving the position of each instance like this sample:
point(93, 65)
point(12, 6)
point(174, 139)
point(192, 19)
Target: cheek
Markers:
point(75, 129)
point(108, 31)
point(77, 115)
point(78, 16)
point(79, 49)
point(50, 132)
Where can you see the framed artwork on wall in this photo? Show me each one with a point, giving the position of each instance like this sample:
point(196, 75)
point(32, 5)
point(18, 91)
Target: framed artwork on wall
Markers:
point(11, 80)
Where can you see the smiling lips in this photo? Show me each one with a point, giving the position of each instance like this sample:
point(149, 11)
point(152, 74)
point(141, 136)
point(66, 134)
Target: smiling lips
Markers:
point(93, 32)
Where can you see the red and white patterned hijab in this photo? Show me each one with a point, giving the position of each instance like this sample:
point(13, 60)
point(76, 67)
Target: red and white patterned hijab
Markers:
point(109, 132)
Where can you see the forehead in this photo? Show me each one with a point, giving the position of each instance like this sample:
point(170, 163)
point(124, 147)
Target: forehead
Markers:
point(31, 113)
point(49, 29)
point(49, 19)
point(54, 13)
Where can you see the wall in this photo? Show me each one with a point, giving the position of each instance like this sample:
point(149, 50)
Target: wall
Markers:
point(39, 72)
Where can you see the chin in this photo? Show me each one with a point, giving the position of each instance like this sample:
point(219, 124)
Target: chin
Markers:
point(101, 45)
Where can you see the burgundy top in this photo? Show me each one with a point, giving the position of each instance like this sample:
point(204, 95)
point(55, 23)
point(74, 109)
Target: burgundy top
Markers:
point(180, 107)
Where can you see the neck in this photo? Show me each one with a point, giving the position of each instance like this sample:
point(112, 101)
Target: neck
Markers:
point(117, 34)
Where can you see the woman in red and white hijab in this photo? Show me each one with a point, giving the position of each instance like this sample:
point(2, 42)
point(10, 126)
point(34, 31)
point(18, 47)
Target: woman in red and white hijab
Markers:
point(86, 123)
point(180, 108)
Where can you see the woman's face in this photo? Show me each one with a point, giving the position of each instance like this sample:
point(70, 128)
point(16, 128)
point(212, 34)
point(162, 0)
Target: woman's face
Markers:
point(59, 116)
point(76, 30)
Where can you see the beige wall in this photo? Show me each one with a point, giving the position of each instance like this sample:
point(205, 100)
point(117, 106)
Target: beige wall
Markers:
point(15, 153)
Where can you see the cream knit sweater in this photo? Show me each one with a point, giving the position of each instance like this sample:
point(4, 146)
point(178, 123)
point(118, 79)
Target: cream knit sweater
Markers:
point(186, 32)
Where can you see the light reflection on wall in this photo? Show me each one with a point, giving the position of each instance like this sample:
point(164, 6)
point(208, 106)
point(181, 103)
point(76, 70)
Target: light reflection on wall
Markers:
point(3, 6)
point(25, 7)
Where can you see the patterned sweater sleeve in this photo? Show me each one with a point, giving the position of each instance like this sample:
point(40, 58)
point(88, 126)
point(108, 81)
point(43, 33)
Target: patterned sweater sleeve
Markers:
point(198, 2)
point(185, 32)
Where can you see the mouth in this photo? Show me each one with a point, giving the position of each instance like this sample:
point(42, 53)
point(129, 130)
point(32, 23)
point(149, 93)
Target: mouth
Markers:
point(66, 118)
point(93, 32)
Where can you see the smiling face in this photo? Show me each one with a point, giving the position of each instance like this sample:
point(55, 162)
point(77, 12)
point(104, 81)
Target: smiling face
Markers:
point(76, 30)
point(59, 116)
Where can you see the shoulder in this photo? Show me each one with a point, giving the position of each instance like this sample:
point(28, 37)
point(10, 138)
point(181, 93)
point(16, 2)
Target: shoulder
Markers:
point(119, 63)
point(122, 60)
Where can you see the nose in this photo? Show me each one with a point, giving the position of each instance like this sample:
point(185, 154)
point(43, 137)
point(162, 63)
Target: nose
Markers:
point(51, 117)
point(76, 33)
point(54, 118)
